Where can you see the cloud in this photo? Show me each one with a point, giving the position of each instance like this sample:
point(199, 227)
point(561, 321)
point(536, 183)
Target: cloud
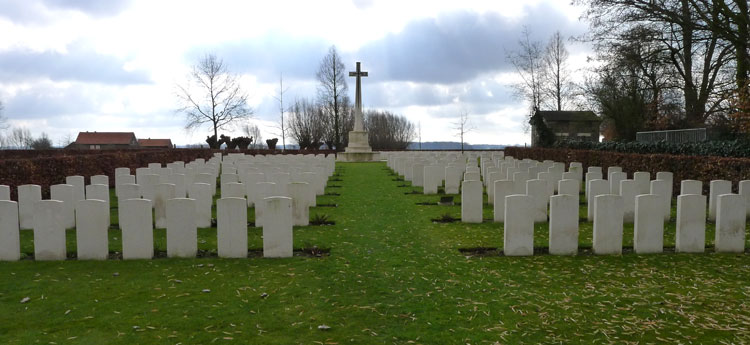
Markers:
point(42, 11)
point(269, 55)
point(78, 64)
point(454, 47)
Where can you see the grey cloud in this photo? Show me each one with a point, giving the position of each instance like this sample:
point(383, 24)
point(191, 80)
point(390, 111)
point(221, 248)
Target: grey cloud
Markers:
point(46, 101)
point(456, 46)
point(79, 64)
point(41, 11)
point(269, 56)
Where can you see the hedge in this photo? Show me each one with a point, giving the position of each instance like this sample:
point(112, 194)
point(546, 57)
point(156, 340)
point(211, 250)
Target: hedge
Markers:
point(703, 168)
point(727, 148)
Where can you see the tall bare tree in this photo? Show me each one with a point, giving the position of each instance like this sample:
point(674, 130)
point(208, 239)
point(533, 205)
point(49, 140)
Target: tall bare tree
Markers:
point(212, 95)
point(332, 91)
point(282, 126)
point(462, 126)
point(20, 138)
point(556, 84)
point(528, 62)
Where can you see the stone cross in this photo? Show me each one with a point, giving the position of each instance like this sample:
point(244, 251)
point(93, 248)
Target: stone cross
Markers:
point(358, 120)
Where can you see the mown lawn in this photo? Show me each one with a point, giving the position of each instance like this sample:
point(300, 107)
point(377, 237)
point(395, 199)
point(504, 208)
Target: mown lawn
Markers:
point(392, 277)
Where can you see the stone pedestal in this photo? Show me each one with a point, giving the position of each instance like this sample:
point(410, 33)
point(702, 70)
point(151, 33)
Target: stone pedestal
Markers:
point(358, 149)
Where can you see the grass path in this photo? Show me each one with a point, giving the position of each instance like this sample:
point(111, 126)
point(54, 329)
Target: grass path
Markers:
point(393, 277)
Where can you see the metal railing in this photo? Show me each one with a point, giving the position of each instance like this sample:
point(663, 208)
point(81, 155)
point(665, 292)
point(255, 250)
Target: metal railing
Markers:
point(677, 136)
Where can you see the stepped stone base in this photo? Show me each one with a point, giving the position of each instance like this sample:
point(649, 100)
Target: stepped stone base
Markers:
point(358, 156)
point(358, 150)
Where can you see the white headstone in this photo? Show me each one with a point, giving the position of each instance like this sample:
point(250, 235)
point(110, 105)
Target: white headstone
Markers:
point(140, 172)
point(592, 175)
point(730, 224)
point(502, 188)
point(471, 202)
point(613, 169)
point(100, 179)
point(207, 179)
point(563, 223)
point(251, 180)
point(231, 227)
point(608, 224)
point(300, 194)
point(519, 181)
point(648, 230)
point(263, 190)
point(148, 187)
point(180, 186)
point(518, 238)
point(718, 187)
point(596, 188)
point(691, 187)
point(28, 196)
point(277, 227)
point(182, 234)
point(642, 182)
point(98, 192)
point(233, 190)
point(537, 190)
point(628, 192)
point(569, 187)
point(471, 176)
point(64, 193)
point(202, 200)
point(666, 176)
point(121, 171)
point(664, 190)
point(4, 192)
point(10, 240)
point(744, 191)
point(691, 223)
point(49, 233)
point(92, 241)
point(453, 176)
point(123, 179)
point(433, 177)
point(137, 229)
point(164, 192)
point(614, 182)
point(417, 175)
point(79, 191)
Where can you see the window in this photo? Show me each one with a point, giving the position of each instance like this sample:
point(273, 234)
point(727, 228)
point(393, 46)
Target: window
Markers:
point(562, 134)
point(584, 134)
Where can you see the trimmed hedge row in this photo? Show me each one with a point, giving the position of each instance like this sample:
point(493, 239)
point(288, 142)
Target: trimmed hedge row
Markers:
point(46, 171)
point(730, 148)
point(703, 168)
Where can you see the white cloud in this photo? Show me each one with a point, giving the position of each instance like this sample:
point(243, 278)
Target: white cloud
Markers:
point(94, 65)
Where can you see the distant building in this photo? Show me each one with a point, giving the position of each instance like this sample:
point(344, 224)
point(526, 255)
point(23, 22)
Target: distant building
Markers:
point(104, 141)
point(569, 125)
point(155, 143)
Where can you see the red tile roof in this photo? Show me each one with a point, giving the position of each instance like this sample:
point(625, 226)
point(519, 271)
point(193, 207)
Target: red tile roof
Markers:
point(105, 138)
point(155, 143)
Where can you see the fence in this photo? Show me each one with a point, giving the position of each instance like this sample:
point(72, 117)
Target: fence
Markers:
point(677, 136)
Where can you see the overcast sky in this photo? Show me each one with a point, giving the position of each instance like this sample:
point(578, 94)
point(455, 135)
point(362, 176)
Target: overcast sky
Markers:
point(76, 65)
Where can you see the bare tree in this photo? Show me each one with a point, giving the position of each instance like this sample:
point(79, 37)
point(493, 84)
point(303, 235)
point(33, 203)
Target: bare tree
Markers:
point(388, 131)
point(252, 131)
point(556, 85)
point(3, 120)
point(213, 95)
point(20, 138)
point(528, 62)
point(332, 91)
point(66, 140)
point(281, 125)
point(307, 124)
point(462, 126)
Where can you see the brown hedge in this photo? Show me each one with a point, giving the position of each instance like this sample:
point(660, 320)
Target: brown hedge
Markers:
point(703, 168)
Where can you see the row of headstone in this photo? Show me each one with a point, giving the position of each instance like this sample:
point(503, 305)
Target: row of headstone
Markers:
point(92, 239)
point(156, 193)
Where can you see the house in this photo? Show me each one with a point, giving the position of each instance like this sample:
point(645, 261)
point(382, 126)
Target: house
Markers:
point(568, 125)
point(155, 143)
point(104, 141)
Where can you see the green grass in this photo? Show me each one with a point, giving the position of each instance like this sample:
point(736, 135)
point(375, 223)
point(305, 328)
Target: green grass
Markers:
point(393, 277)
